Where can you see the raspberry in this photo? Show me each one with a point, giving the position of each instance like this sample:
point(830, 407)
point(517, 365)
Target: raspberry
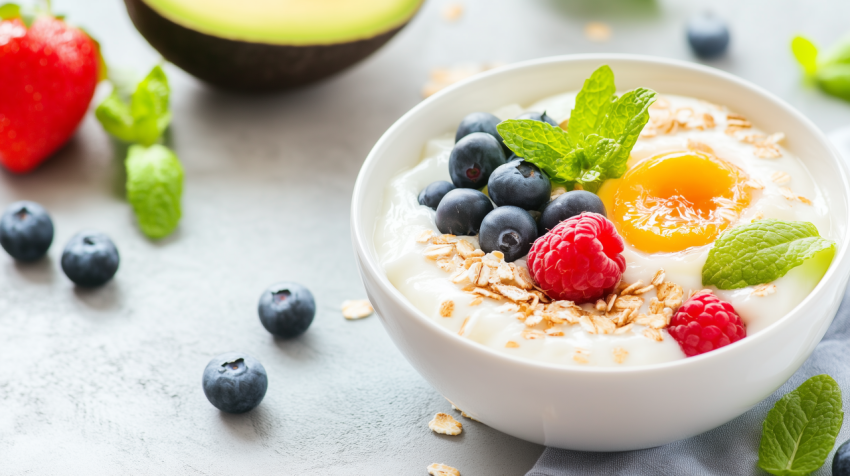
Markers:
point(705, 323)
point(579, 260)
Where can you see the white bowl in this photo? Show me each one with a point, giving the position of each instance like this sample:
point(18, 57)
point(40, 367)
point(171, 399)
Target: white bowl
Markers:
point(599, 409)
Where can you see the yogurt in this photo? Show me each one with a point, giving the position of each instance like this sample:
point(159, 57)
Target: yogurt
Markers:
point(783, 189)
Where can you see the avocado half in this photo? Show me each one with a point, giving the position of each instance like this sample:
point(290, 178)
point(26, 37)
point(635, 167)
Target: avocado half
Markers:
point(263, 45)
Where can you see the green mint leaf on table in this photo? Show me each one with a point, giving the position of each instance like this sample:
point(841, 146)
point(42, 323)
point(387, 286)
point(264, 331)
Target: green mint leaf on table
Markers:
point(806, 54)
point(800, 429)
point(834, 79)
point(149, 107)
point(154, 188)
point(603, 129)
point(761, 252)
point(9, 11)
point(145, 118)
point(830, 70)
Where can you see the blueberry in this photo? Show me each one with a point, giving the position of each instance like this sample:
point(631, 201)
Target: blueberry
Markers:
point(510, 230)
point(841, 460)
point(235, 382)
point(568, 205)
point(26, 231)
point(431, 195)
point(461, 211)
point(537, 116)
point(286, 309)
point(90, 259)
point(519, 183)
point(708, 35)
point(480, 122)
point(473, 159)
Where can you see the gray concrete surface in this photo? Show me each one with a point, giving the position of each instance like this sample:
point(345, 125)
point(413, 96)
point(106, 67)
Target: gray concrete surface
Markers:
point(107, 381)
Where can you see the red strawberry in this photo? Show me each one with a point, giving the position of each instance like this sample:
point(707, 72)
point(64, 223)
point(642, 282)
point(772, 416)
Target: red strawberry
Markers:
point(48, 73)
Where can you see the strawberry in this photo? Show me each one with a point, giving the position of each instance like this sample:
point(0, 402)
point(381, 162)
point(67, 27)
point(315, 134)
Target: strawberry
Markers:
point(48, 74)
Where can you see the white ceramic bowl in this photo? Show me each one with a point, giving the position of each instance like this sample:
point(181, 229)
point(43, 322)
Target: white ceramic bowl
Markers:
point(599, 409)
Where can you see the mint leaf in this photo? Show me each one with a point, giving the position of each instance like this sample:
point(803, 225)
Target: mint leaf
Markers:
point(543, 145)
point(839, 53)
point(149, 106)
point(806, 53)
point(591, 104)
point(114, 115)
point(834, 79)
point(145, 118)
point(603, 129)
point(623, 124)
point(761, 252)
point(10, 11)
point(154, 188)
point(800, 429)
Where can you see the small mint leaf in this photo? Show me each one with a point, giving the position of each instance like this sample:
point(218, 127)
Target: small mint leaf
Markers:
point(834, 79)
point(761, 252)
point(591, 104)
point(149, 107)
point(620, 130)
point(114, 115)
point(10, 11)
point(839, 53)
point(544, 145)
point(800, 429)
point(602, 156)
point(806, 53)
point(154, 188)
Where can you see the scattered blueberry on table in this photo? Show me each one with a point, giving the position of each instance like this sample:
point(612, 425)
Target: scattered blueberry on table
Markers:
point(519, 183)
point(235, 382)
point(286, 309)
point(473, 159)
point(26, 231)
point(461, 212)
point(539, 117)
point(708, 35)
point(508, 229)
point(90, 259)
point(568, 205)
point(431, 195)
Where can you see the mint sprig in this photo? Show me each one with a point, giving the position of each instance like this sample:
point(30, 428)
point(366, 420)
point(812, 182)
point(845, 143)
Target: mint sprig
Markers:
point(830, 71)
point(154, 174)
point(800, 429)
point(603, 129)
point(761, 252)
point(146, 116)
point(154, 188)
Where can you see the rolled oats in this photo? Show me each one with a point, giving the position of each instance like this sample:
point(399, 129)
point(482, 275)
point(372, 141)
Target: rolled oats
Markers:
point(439, 469)
point(445, 424)
point(447, 308)
point(763, 290)
point(356, 309)
point(620, 355)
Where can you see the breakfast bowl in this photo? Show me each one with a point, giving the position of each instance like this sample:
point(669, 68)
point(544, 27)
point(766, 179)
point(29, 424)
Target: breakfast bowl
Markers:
point(600, 408)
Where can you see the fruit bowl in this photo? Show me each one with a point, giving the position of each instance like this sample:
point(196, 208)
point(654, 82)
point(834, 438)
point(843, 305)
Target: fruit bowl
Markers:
point(599, 409)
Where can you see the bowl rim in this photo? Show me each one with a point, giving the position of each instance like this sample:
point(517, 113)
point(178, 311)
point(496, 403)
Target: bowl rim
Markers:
point(369, 264)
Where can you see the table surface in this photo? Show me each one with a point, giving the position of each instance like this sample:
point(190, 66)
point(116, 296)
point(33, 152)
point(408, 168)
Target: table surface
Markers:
point(107, 381)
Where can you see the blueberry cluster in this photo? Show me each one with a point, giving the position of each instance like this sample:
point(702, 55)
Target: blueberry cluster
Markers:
point(497, 195)
point(90, 258)
point(233, 382)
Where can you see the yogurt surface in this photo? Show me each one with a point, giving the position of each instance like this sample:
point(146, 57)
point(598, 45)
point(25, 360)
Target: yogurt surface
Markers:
point(783, 189)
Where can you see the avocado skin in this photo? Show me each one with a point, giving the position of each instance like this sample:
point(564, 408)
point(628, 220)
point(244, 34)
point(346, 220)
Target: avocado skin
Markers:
point(246, 66)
